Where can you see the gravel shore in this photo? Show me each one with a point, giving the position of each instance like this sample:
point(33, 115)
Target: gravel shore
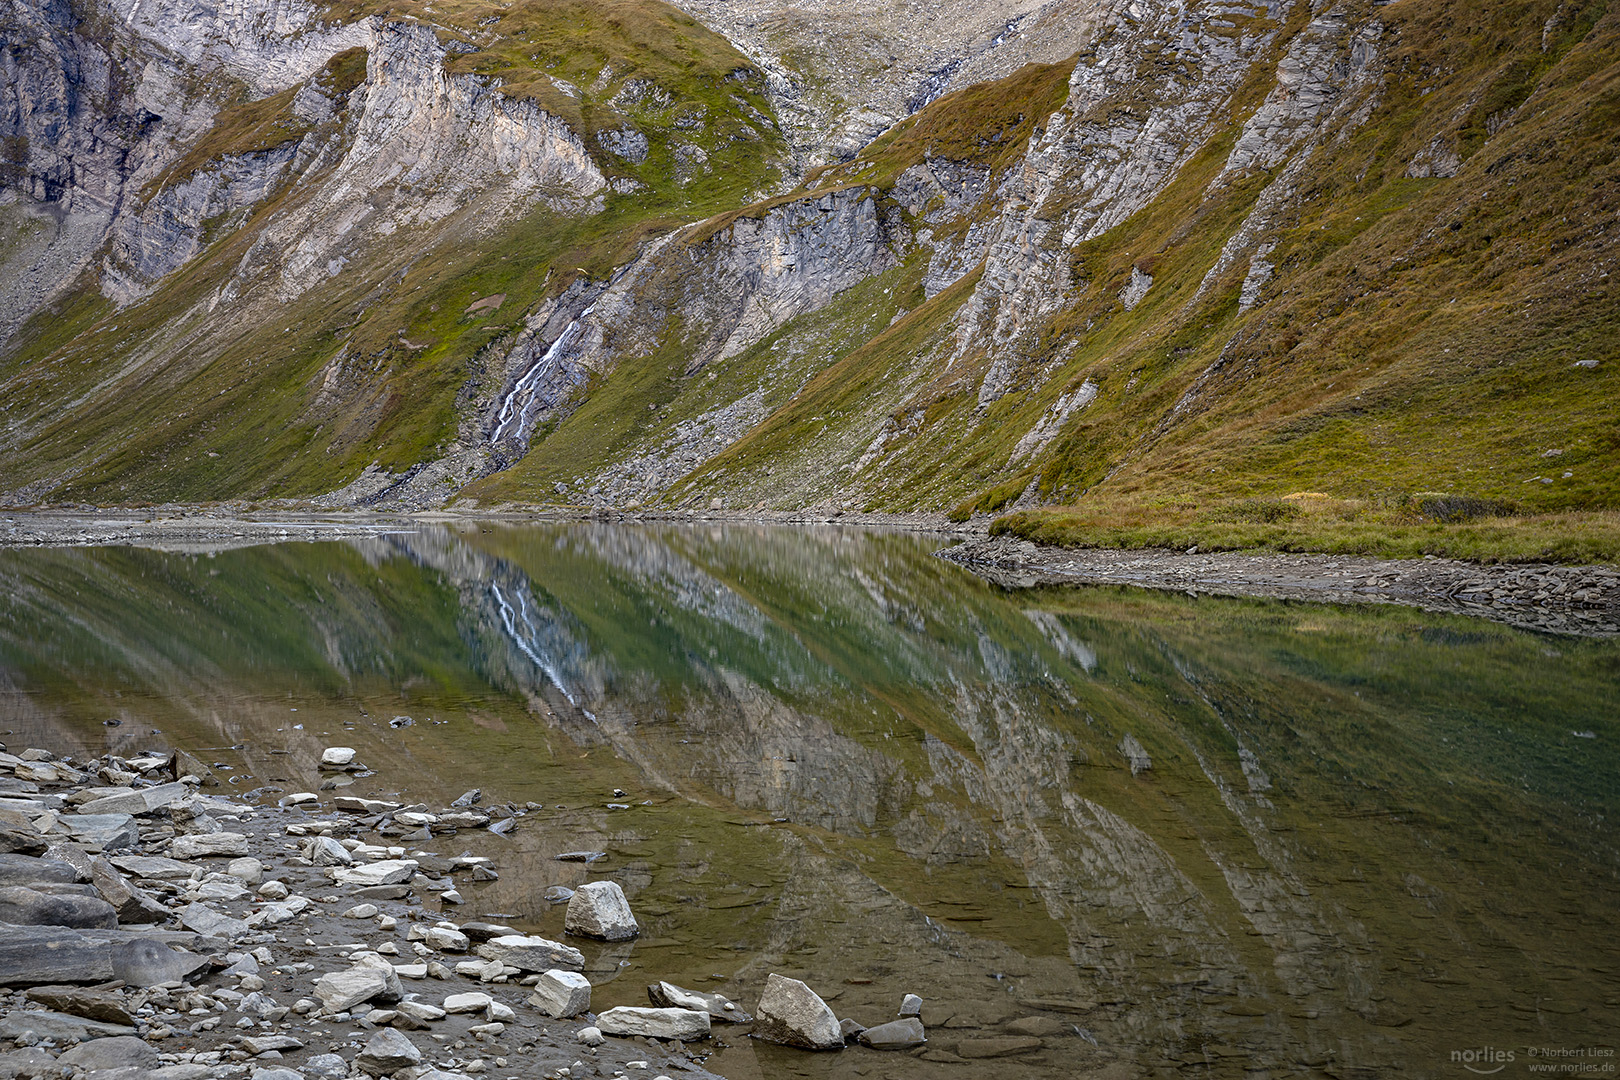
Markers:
point(1576, 600)
point(151, 930)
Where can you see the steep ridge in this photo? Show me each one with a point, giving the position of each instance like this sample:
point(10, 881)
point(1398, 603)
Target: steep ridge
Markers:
point(1200, 251)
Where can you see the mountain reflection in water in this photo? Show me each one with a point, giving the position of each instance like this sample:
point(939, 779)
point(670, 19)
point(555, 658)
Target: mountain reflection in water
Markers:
point(1364, 838)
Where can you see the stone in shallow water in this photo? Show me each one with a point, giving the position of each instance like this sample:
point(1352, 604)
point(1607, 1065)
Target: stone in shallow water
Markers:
point(562, 994)
point(683, 1024)
point(793, 1014)
point(337, 756)
point(667, 995)
point(895, 1035)
point(599, 910)
point(998, 1046)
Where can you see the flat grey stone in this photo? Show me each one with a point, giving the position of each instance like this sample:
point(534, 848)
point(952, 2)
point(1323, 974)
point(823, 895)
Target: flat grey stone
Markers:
point(116, 1052)
point(139, 801)
point(205, 920)
point(388, 1051)
point(23, 906)
point(30, 870)
point(527, 952)
point(146, 963)
point(895, 1035)
point(682, 1024)
point(108, 1006)
point(262, 1044)
point(36, 955)
point(103, 832)
point(209, 845)
point(55, 1025)
point(153, 866)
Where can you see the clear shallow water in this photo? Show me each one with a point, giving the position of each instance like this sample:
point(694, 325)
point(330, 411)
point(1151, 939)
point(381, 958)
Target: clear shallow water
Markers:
point(1369, 838)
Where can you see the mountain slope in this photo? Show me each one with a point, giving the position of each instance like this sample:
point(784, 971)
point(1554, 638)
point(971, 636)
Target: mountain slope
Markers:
point(1203, 253)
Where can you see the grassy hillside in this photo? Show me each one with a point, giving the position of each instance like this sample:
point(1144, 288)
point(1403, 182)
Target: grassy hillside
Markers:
point(1433, 351)
point(179, 398)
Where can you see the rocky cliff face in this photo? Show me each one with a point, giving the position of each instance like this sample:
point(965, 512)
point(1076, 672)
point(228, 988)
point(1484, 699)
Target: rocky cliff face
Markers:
point(389, 259)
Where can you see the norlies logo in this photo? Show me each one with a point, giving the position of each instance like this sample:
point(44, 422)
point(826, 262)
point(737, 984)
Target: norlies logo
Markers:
point(1484, 1061)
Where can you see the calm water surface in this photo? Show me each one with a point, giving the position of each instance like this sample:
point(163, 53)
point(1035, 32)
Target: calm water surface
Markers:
point(1369, 841)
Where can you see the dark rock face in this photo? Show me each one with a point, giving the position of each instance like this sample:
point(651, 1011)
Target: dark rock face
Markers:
point(18, 869)
point(31, 907)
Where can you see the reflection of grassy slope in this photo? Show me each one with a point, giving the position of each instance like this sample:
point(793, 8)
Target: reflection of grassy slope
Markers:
point(1413, 756)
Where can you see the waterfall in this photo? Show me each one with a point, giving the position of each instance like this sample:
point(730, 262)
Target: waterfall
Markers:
point(518, 405)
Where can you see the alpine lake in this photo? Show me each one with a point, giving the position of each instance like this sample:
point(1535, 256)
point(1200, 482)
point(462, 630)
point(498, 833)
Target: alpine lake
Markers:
point(1153, 834)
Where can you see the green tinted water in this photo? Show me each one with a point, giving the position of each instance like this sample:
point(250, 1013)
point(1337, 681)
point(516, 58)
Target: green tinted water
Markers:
point(1369, 839)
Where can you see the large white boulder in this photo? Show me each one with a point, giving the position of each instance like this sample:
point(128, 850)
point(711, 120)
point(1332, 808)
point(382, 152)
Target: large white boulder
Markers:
point(793, 1014)
point(599, 910)
point(562, 994)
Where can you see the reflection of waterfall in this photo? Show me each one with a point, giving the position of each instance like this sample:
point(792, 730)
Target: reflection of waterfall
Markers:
point(528, 640)
point(517, 408)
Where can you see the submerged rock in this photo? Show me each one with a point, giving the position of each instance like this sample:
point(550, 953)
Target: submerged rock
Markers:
point(895, 1035)
point(793, 1014)
point(667, 995)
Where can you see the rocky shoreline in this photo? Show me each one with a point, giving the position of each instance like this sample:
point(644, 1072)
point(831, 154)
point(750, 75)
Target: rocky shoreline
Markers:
point(1578, 600)
point(213, 528)
point(152, 931)
point(1574, 600)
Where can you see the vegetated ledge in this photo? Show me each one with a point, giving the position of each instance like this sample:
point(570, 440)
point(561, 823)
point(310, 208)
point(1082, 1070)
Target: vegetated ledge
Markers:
point(1581, 601)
